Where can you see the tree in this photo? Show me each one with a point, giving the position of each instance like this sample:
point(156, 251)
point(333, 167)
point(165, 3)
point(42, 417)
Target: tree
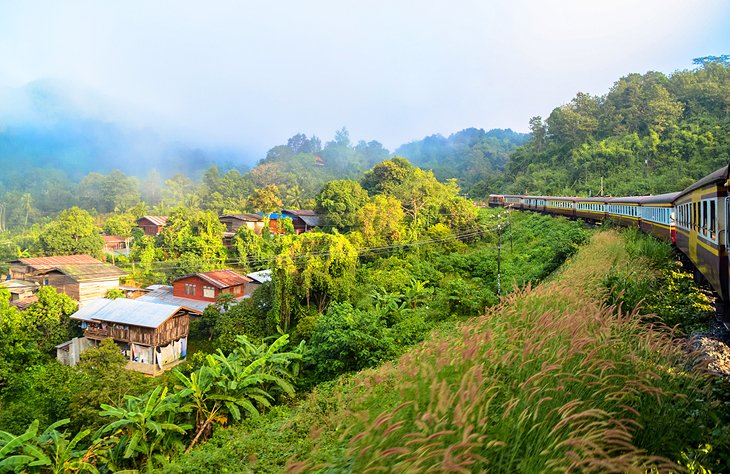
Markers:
point(120, 224)
point(26, 201)
point(380, 221)
point(266, 199)
point(340, 201)
point(47, 320)
point(73, 232)
point(384, 176)
point(538, 130)
point(313, 268)
point(195, 238)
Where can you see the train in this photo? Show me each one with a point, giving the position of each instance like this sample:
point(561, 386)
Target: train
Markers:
point(695, 220)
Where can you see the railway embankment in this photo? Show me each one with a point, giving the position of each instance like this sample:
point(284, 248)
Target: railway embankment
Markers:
point(554, 378)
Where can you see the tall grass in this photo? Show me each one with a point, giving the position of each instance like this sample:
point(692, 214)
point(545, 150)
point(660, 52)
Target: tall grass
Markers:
point(549, 381)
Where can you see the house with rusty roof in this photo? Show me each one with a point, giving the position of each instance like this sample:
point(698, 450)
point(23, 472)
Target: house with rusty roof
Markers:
point(208, 286)
point(152, 336)
point(152, 225)
point(115, 245)
point(81, 277)
point(197, 291)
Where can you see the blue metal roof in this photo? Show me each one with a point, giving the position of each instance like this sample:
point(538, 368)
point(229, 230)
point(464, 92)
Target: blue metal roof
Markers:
point(126, 311)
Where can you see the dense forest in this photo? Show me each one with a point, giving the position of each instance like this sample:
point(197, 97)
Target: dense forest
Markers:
point(400, 252)
point(651, 133)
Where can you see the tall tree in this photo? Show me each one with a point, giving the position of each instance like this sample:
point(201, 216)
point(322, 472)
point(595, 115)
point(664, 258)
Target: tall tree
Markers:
point(73, 232)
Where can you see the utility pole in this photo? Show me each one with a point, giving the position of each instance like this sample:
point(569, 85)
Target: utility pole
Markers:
point(499, 258)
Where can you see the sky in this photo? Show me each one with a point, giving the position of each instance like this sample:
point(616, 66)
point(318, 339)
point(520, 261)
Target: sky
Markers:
point(252, 74)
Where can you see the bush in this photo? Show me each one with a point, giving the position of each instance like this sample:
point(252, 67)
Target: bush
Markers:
point(347, 339)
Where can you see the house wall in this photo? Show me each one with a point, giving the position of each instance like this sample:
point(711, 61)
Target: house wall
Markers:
point(251, 287)
point(148, 227)
point(173, 329)
point(178, 289)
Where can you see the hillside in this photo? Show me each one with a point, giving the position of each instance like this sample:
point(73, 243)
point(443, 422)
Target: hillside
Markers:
point(551, 379)
point(650, 133)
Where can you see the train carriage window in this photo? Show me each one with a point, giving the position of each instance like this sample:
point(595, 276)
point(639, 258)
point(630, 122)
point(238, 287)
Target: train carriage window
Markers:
point(703, 218)
point(713, 220)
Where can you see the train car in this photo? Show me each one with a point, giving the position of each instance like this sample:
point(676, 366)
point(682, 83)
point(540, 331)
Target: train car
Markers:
point(513, 201)
point(495, 200)
point(533, 203)
point(563, 206)
point(702, 234)
point(658, 216)
point(624, 210)
point(591, 209)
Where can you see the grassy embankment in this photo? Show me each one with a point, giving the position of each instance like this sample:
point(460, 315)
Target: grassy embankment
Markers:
point(550, 380)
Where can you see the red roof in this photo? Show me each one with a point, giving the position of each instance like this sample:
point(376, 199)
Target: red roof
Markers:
point(112, 239)
point(221, 278)
point(44, 263)
point(156, 220)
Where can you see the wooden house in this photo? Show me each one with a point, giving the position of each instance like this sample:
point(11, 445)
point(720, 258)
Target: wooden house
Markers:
point(81, 277)
point(152, 225)
point(115, 245)
point(233, 222)
point(207, 286)
point(152, 336)
point(20, 289)
point(257, 279)
point(304, 220)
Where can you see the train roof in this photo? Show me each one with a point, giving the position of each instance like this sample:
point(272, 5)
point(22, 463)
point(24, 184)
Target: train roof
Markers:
point(719, 175)
point(601, 199)
point(666, 198)
point(626, 199)
point(561, 198)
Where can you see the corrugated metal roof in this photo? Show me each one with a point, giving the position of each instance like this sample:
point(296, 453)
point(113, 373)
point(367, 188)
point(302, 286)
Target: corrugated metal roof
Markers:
point(156, 220)
point(15, 284)
point(126, 311)
point(260, 277)
point(223, 278)
point(244, 217)
point(112, 238)
point(78, 267)
point(163, 294)
point(311, 221)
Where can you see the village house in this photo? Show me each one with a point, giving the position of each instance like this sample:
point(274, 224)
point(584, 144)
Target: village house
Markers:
point(113, 244)
point(304, 220)
point(20, 289)
point(152, 225)
point(152, 336)
point(257, 279)
point(233, 222)
point(199, 290)
point(81, 277)
point(207, 286)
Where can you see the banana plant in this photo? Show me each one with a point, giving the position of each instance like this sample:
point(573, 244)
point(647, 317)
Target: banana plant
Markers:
point(226, 387)
point(146, 427)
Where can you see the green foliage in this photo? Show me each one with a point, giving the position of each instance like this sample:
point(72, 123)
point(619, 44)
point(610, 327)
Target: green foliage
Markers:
point(347, 339)
point(666, 291)
point(73, 232)
point(120, 224)
point(195, 238)
point(650, 133)
point(226, 387)
point(340, 200)
point(115, 293)
point(312, 268)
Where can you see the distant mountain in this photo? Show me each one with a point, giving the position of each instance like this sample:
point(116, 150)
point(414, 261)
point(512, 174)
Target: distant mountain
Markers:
point(53, 124)
point(471, 155)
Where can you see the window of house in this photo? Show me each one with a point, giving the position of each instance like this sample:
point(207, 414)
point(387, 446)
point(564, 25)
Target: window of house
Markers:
point(190, 289)
point(208, 292)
